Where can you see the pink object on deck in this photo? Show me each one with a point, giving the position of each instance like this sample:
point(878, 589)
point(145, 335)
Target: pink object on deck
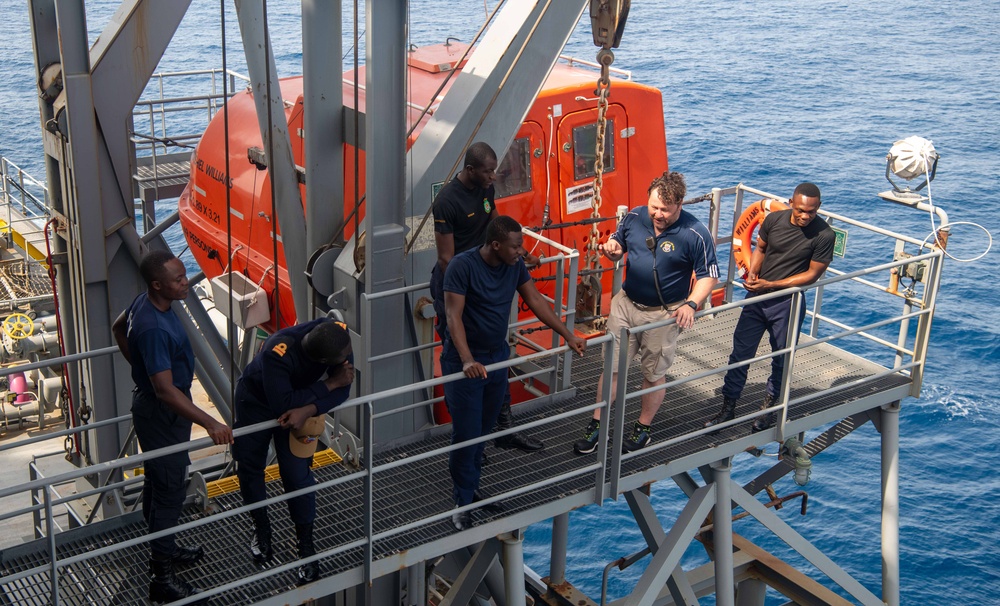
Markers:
point(19, 385)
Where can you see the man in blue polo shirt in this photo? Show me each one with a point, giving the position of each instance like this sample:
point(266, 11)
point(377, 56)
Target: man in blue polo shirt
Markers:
point(300, 374)
point(664, 245)
point(152, 340)
point(479, 286)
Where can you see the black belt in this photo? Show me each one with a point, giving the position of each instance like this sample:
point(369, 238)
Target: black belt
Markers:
point(642, 307)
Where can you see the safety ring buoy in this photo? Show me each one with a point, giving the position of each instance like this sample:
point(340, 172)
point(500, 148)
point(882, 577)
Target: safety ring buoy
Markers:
point(745, 226)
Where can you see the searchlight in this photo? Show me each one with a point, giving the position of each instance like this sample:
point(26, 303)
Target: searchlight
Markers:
point(908, 159)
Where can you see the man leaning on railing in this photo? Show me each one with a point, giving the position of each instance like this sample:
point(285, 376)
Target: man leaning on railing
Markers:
point(793, 249)
point(479, 286)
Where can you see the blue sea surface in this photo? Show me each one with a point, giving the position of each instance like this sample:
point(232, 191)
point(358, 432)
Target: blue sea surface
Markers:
point(771, 94)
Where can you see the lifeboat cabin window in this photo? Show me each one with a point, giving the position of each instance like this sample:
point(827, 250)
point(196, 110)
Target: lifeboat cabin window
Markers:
point(584, 146)
point(514, 173)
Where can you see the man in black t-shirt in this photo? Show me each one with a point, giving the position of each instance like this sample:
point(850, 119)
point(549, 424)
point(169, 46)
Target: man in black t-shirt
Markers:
point(794, 248)
point(462, 210)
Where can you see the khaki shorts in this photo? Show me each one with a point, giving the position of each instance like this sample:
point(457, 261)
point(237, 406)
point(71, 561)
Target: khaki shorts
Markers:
point(656, 347)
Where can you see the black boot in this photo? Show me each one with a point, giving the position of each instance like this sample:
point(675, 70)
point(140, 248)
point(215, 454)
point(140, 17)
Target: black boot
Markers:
point(727, 413)
point(165, 587)
point(515, 440)
point(307, 573)
point(767, 421)
point(187, 555)
point(260, 542)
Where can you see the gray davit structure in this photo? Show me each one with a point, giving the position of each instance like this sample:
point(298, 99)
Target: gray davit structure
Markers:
point(383, 530)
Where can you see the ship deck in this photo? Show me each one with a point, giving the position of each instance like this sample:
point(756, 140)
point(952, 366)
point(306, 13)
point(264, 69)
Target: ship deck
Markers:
point(412, 492)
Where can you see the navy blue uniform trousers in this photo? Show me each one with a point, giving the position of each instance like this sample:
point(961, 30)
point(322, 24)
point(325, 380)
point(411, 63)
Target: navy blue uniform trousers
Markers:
point(250, 452)
point(771, 315)
point(164, 478)
point(473, 405)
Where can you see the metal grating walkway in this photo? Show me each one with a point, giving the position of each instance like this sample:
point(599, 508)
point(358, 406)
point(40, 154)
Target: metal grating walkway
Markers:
point(166, 179)
point(412, 492)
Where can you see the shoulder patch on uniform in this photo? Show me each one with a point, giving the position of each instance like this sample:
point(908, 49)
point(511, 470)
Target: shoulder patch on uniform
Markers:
point(280, 349)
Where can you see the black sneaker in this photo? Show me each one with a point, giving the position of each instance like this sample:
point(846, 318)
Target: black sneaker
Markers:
point(461, 520)
point(638, 439)
point(589, 442)
point(767, 421)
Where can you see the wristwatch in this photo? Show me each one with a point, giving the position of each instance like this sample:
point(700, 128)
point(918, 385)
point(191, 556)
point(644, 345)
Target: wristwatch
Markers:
point(691, 304)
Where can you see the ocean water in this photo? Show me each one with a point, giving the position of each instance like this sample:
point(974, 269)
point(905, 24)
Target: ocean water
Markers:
point(771, 94)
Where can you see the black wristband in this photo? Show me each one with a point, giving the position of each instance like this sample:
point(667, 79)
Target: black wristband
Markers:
point(691, 304)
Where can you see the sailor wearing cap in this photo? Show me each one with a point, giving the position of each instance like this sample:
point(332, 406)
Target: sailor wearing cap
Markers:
point(285, 381)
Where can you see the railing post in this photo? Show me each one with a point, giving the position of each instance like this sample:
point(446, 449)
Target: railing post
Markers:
point(570, 317)
point(792, 341)
point(602, 447)
point(924, 324)
point(557, 302)
point(36, 516)
point(731, 272)
point(366, 439)
point(557, 559)
point(53, 556)
point(621, 386)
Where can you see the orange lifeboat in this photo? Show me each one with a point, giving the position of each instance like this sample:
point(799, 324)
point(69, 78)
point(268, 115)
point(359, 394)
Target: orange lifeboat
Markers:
point(545, 177)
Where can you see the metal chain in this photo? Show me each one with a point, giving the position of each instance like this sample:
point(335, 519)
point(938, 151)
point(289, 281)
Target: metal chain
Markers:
point(605, 57)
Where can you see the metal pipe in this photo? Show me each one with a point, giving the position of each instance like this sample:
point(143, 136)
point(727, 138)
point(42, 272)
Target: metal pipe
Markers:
point(513, 568)
point(416, 585)
point(4, 372)
point(722, 535)
point(557, 557)
point(209, 363)
point(890, 504)
point(161, 227)
point(53, 557)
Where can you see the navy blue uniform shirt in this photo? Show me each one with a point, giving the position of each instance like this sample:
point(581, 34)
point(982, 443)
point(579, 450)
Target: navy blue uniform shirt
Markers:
point(488, 293)
point(281, 377)
point(157, 342)
point(683, 247)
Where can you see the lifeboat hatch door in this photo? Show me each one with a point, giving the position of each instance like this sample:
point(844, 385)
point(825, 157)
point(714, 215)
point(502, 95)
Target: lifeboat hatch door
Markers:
point(522, 183)
point(577, 143)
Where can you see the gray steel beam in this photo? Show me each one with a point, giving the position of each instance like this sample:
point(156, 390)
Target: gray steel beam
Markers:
point(890, 504)
point(668, 554)
point(323, 121)
point(389, 319)
point(493, 93)
point(797, 542)
point(557, 558)
point(652, 531)
point(278, 147)
point(100, 90)
point(783, 577)
point(416, 585)
point(513, 568)
point(722, 533)
point(472, 575)
point(45, 38)
point(751, 592)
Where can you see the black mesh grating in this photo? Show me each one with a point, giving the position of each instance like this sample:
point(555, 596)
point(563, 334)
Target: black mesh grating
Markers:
point(423, 488)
